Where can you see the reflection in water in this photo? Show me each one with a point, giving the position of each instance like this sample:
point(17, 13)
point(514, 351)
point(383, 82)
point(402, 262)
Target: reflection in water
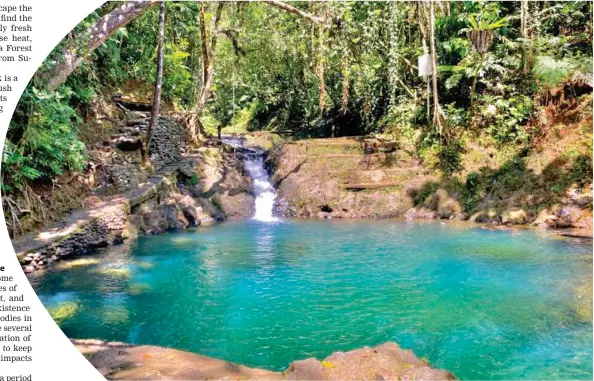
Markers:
point(483, 304)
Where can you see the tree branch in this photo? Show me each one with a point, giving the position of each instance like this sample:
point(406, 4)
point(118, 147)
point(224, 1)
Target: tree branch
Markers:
point(73, 54)
point(298, 12)
point(233, 34)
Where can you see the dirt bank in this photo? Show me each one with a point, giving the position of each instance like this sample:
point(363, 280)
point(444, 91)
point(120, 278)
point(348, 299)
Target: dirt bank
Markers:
point(548, 185)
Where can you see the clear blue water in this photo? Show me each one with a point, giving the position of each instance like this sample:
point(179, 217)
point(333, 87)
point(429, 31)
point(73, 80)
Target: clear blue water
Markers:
point(483, 304)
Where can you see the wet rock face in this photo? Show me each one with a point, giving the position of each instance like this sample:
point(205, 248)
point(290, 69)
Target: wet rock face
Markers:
point(211, 189)
point(222, 181)
point(111, 228)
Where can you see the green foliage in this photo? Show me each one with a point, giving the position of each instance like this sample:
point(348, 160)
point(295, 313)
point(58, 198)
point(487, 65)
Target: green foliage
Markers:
point(511, 176)
point(48, 144)
point(581, 170)
point(421, 196)
point(193, 180)
point(573, 167)
point(267, 75)
point(486, 17)
point(401, 121)
point(549, 72)
point(472, 66)
point(505, 118)
point(552, 73)
point(449, 156)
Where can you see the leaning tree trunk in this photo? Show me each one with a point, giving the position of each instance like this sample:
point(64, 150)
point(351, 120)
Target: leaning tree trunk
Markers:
point(158, 84)
point(73, 55)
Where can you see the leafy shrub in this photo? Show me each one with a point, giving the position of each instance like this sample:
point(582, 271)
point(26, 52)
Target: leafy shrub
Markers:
point(456, 117)
point(46, 146)
point(551, 73)
point(581, 170)
point(446, 157)
point(505, 117)
point(400, 121)
point(449, 156)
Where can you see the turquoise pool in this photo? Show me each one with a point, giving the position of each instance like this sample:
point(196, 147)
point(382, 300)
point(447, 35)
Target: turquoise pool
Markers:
point(483, 304)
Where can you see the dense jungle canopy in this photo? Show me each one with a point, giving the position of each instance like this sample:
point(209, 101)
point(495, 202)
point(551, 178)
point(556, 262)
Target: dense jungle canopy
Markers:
point(311, 69)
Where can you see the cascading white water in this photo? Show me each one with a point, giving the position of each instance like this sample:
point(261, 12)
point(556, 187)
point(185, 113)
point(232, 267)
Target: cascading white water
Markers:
point(253, 159)
point(265, 194)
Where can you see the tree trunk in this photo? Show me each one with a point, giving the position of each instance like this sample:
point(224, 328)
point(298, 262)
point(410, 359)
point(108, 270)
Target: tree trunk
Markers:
point(472, 90)
point(436, 109)
point(158, 84)
point(210, 57)
point(203, 44)
point(524, 33)
point(73, 54)
point(344, 69)
point(208, 54)
point(194, 127)
point(323, 94)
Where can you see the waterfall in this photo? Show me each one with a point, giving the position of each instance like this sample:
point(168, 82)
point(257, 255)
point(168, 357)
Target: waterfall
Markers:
point(253, 161)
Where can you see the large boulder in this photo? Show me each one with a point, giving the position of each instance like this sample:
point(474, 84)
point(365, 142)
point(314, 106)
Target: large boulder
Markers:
point(190, 209)
point(483, 216)
point(568, 216)
point(308, 369)
point(236, 205)
point(384, 362)
point(446, 205)
point(514, 216)
point(173, 215)
point(546, 219)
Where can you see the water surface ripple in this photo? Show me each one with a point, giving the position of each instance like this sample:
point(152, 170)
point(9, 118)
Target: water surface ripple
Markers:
point(483, 304)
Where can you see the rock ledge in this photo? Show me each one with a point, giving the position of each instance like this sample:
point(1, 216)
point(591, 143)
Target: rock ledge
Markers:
point(118, 361)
